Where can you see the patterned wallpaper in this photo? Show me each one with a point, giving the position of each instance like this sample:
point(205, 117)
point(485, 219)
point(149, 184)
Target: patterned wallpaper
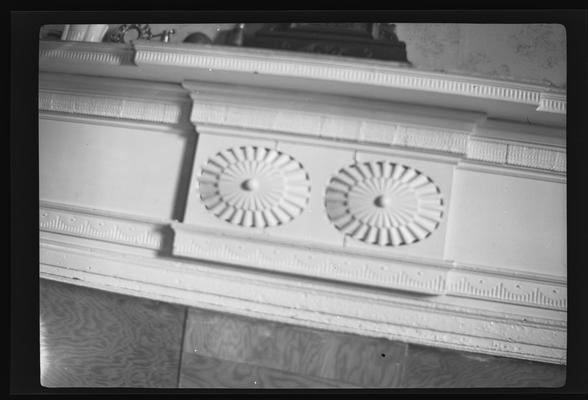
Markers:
point(534, 53)
point(531, 52)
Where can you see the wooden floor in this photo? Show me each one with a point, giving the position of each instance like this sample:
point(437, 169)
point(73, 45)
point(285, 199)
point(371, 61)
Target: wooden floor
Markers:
point(91, 338)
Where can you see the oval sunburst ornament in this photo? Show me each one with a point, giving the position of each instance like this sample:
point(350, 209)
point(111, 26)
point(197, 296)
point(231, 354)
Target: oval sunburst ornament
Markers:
point(384, 203)
point(254, 186)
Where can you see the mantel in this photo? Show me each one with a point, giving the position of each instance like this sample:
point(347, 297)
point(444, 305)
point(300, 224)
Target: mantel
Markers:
point(137, 142)
point(499, 99)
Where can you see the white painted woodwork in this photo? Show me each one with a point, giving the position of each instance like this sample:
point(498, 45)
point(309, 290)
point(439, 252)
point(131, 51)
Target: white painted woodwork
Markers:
point(125, 132)
point(110, 168)
point(508, 222)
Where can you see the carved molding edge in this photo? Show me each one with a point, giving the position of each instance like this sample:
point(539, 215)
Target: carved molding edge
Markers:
point(316, 304)
point(510, 290)
point(308, 262)
point(518, 155)
point(433, 279)
point(111, 229)
point(555, 103)
point(86, 53)
point(112, 107)
point(301, 66)
point(332, 69)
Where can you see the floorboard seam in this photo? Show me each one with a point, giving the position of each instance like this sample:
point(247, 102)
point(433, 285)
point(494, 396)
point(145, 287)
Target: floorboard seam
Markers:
point(182, 339)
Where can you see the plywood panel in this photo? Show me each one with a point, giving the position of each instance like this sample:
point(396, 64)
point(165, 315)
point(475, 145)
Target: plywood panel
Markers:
point(436, 368)
point(206, 372)
point(91, 338)
point(348, 358)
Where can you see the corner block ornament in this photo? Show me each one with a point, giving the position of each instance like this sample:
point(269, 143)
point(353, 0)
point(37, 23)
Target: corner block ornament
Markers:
point(384, 203)
point(254, 186)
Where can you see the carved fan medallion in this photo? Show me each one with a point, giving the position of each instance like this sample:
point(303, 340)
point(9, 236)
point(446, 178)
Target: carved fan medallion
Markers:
point(384, 203)
point(254, 186)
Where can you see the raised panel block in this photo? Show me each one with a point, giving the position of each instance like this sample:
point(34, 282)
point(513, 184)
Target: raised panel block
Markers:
point(286, 191)
point(110, 167)
point(508, 222)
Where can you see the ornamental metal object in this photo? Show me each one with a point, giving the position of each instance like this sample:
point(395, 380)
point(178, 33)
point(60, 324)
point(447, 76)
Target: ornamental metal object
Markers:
point(363, 40)
point(140, 31)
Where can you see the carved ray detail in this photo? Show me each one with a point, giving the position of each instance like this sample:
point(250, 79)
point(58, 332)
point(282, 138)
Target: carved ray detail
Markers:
point(254, 186)
point(384, 203)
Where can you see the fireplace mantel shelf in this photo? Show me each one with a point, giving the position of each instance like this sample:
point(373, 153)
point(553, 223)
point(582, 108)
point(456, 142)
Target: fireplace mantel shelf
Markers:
point(388, 81)
point(127, 130)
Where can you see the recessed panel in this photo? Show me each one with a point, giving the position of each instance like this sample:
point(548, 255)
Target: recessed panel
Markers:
point(111, 168)
point(508, 222)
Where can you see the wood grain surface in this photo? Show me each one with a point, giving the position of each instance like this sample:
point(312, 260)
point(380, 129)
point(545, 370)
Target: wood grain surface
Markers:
point(206, 372)
point(357, 360)
point(91, 338)
point(436, 368)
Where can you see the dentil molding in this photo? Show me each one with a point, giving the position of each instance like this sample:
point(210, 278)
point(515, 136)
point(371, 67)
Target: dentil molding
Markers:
point(191, 62)
point(381, 74)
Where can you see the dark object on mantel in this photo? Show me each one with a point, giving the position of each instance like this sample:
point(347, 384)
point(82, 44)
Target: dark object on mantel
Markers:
point(363, 40)
point(128, 32)
point(198, 38)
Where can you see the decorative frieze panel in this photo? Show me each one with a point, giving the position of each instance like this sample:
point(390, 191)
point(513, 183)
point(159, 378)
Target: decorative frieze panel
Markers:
point(254, 186)
point(384, 203)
